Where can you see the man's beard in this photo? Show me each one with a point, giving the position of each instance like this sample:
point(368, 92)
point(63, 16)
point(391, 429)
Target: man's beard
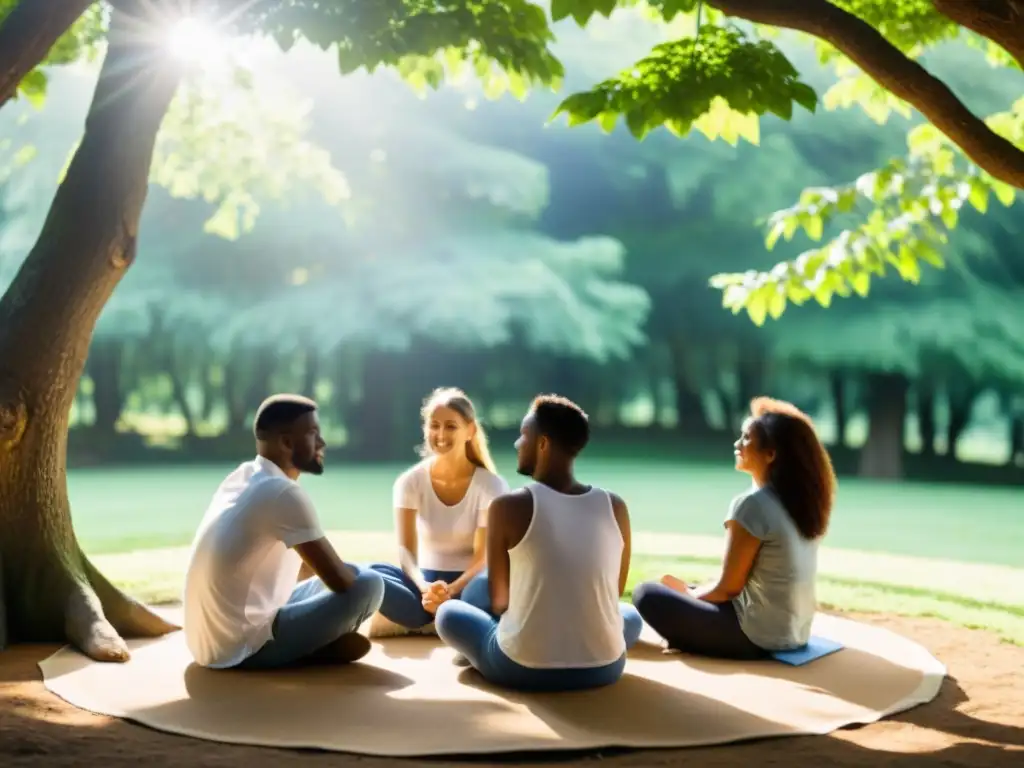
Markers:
point(525, 469)
point(311, 466)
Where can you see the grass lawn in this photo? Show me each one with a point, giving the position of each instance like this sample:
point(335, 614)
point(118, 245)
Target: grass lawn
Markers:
point(119, 510)
point(913, 549)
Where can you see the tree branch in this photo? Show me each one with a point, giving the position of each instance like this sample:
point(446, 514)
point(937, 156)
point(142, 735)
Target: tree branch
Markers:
point(890, 68)
point(1001, 21)
point(27, 35)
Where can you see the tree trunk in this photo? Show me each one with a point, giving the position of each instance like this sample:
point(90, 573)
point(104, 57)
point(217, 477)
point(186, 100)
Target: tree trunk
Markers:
point(882, 454)
point(837, 384)
point(730, 417)
point(1016, 438)
point(311, 372)
point(179, 390)
point(960, 404)
point(375, 426)
point(27, 35)
point(690, 415)
point(234, 398)
point(926, 418)
point(47, 317)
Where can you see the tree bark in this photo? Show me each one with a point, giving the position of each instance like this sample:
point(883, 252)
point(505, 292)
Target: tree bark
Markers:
point(893, 70)
point(1001, 21)
point(27, 35)
point(47, 317)
point(882, 454)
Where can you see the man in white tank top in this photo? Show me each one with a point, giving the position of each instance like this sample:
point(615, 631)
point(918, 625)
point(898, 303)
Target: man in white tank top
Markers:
point(558, 554)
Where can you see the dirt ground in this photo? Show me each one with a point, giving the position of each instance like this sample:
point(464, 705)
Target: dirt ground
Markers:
point(977, 720)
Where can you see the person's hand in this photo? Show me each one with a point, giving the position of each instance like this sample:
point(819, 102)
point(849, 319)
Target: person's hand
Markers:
point(432, 599)
point(678, 585)
point(438, 588)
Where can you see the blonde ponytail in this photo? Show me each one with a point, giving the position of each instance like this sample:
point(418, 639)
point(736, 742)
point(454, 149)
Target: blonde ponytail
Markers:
point(478, 452)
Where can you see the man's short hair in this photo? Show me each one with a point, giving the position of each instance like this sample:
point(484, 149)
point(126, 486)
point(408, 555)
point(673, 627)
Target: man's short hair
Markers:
point(562, 421)
point(278, 413)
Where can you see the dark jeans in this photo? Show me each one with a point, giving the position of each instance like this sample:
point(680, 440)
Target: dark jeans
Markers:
point(314, 617)
point(474, 633)
point(694, 626)
point(403, 603)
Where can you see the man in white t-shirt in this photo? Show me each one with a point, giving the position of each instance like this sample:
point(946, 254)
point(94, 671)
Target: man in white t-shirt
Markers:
point(242, 605)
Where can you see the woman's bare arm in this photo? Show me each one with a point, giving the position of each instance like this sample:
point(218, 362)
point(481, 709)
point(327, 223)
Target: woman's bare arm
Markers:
point(741, 548)
point(479, 561)
point(408, 546)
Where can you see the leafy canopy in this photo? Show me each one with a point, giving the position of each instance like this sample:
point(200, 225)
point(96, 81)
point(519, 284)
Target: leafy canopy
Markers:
point(224, 126)
point(720, 80)
point(682, 81)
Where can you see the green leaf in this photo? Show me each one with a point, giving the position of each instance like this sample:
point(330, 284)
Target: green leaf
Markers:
point(777, 302)
point(1004, 192)
point(927, 252)
point(805, 96)
point(757, 307)
point(562, 9)
point(978, 195)
point(607, 121)
point(777, 228)
point(861, 283)
point(33, 88)
point(908, 265)
point(814, 226)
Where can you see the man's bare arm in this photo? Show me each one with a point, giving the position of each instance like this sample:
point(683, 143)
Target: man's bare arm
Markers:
point(497, 555)
point(509, 519)
point(325, 562)
point(622, 518)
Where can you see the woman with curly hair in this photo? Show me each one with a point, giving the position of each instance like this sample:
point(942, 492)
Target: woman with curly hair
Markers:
point(764, 599)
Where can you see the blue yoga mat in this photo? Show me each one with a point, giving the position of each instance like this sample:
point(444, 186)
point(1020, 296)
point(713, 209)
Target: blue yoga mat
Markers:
point(816, 648)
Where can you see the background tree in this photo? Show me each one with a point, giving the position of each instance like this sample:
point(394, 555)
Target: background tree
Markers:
point(48, 313)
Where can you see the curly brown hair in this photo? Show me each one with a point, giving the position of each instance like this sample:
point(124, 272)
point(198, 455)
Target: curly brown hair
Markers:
point(801, 473)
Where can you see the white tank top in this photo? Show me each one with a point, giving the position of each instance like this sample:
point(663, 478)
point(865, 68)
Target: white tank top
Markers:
point(563, 609)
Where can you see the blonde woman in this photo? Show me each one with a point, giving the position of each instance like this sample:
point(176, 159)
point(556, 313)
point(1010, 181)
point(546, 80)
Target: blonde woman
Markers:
point(440, 508)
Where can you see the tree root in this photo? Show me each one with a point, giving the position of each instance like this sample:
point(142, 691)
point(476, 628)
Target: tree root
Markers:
point(88, 630)
point(99, 616)
point(128, 616)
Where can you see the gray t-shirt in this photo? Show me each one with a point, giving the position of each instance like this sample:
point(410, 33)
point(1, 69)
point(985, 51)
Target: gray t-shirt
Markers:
point(778, 604)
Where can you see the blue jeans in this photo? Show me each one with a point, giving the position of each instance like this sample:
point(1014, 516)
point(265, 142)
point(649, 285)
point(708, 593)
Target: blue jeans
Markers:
point(314, 617)
point(474, 633)
point(403, 603)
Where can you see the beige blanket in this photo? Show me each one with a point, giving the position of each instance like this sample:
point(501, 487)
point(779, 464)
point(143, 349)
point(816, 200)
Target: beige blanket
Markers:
point(407, 698)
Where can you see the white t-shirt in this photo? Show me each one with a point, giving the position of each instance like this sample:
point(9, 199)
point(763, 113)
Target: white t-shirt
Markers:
point(445, 534)
point(242, 568)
